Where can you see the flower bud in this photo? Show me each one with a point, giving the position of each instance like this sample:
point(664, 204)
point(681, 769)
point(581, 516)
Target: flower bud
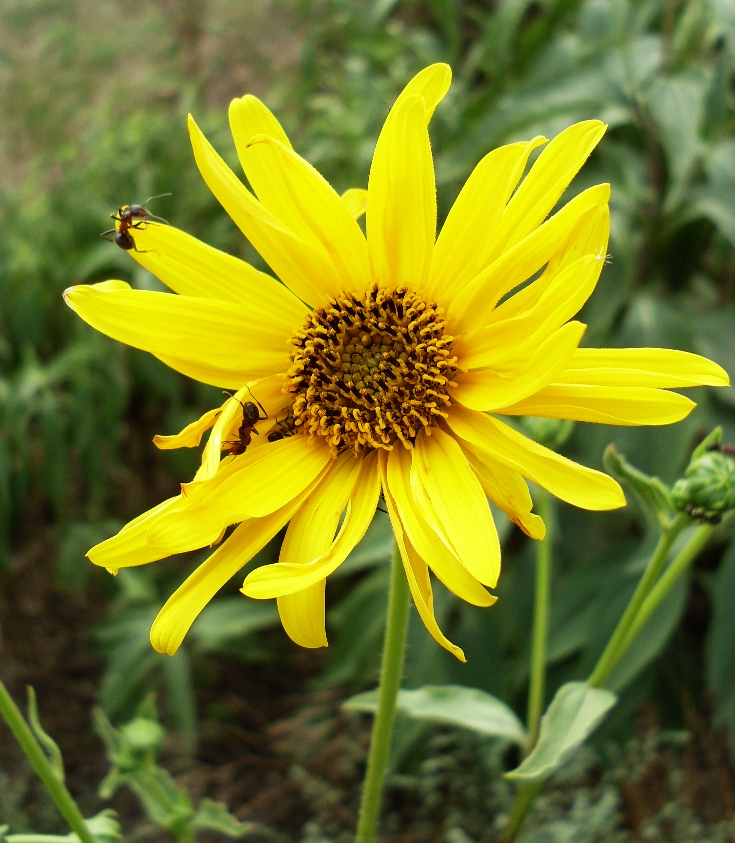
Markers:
point(707, 490)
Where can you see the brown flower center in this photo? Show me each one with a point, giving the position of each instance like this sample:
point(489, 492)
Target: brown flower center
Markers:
point(369, 370)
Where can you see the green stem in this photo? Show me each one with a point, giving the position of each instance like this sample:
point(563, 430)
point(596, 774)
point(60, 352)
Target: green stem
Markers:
point(521, 806)
point(394, 647)
point(668, 579)
point(617, 645)
point(55, 788)
point(540, 623)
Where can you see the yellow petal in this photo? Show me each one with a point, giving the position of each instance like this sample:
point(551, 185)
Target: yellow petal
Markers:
point(401, 213)
point(310, 552)
point(386, 201)
point(460, 502)
point(301, 267)
point(355, 200)
point(262, 480)
point(250, 116)
point(476, 301)
point(302, 616)
point(128, 548)
point(431, 83)
point(465, 242)
point(487, 389)
point(621, 405)
point(191, 268)
point(190, 436)
point(298, 195)
point(549, 177)
point(507, 490)
point(225, 335)
point(417, 572)
point(425, 531)
point(565, 479)
point(184, 605)
point(661, 367)
point(587, 237)
point(561, 298)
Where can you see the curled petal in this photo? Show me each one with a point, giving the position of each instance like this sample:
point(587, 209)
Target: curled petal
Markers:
point(190, 436)
point(355, 200)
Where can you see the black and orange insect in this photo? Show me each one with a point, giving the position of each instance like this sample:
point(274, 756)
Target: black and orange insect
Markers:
point(250, 417)
point(127, 216)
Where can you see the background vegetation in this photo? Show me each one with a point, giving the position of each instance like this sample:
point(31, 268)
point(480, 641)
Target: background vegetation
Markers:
point(95, 95)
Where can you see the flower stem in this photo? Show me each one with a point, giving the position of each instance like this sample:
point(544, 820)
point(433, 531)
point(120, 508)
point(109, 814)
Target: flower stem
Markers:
point(619, 640)
point(394, 648)
point(668, 579)
point(525, 798)
point(55, 788)
point(540, 623)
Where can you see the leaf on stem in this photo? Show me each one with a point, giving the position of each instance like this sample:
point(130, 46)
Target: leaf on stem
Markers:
point(574, 713)
point(452, 705)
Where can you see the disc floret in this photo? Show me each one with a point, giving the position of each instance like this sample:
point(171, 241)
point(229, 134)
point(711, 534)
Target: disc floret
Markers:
point(369, 370)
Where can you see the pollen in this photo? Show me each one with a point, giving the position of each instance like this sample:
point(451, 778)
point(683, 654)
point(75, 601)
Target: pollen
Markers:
point(373, 369)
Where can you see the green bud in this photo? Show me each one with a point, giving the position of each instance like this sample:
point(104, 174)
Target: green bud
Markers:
point(142, 735)
point(707, 490)
point(552, 433)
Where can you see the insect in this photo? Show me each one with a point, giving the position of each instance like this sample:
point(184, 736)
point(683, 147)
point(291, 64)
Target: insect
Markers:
point(127, 216)
point(250, 417)
point(281, 429)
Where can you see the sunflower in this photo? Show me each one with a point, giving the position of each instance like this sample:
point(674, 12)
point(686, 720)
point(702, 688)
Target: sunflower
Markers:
point(378, 363)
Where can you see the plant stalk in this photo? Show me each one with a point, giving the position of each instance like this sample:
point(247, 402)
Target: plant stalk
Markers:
point(537, 679)
point(618, 642)
point(668, 579)
point(394, 648)
point(54, 787)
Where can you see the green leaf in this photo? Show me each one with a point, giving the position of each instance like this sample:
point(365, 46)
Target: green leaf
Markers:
point(677, 106)
point(652, 493)
point(452, 705)
point(53, 753)
point(573, 714)
point(215, 816)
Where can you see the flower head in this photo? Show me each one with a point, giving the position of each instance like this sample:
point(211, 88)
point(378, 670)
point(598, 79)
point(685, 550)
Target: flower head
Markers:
point(381, 362)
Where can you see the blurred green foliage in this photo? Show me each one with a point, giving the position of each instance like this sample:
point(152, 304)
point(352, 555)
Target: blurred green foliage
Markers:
point(94, 117)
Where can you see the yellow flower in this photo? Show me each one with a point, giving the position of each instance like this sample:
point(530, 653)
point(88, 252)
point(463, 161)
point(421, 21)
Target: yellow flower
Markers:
point(381, 360)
